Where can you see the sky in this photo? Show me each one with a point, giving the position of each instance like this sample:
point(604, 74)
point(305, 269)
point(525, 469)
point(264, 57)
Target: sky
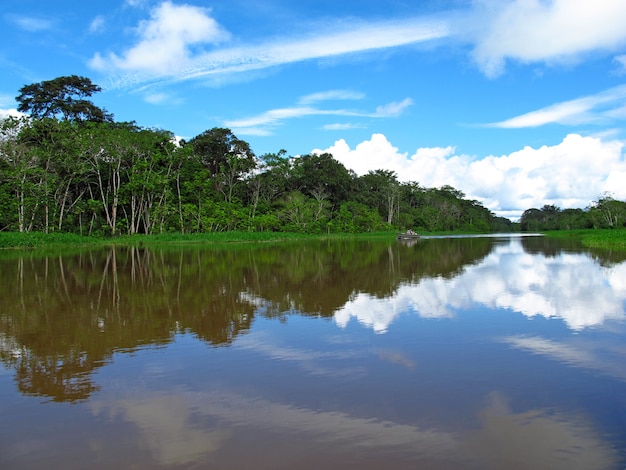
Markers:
point(516, 103)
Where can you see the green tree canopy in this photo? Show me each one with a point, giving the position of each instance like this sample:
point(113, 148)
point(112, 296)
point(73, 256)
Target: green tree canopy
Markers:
point(62, 96)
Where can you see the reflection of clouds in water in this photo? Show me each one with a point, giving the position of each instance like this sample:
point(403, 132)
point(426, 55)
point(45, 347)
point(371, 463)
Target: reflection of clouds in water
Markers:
point(396, 357)
point(570, 286)
point(431, 298)
point(171, 428)
point(601, 356)
point(165, 425)
point(309, 360)
point(616, 277)
point(192, 426)
point(534, 440)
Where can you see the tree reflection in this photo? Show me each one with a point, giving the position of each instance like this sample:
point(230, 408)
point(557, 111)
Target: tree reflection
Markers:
point(63, 317)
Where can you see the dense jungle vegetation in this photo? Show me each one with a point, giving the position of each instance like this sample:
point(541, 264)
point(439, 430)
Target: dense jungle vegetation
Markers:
point(70, 167)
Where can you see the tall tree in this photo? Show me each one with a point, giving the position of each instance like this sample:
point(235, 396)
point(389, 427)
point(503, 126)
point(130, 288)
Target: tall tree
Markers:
point(62, 96)
point(227, 158)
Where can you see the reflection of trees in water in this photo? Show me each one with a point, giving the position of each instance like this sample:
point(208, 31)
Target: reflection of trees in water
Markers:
point(319, 279)
point(551, 247)
point(65, 316)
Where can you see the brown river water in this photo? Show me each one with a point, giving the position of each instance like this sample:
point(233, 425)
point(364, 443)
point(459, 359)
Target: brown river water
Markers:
point(500, 352)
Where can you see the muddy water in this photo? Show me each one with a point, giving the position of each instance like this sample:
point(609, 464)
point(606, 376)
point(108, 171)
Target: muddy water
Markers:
point(479, 353)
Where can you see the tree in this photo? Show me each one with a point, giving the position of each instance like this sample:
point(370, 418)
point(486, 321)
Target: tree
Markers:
point(380, 190)
point(227, 158)
point(317, 173)
point(608, 212)
point(62, 96)
point(20, 174)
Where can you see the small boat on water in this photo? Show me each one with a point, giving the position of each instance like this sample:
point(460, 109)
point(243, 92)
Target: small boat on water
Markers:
point(408, 236)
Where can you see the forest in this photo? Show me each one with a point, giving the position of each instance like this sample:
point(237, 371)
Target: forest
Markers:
point(68, 166)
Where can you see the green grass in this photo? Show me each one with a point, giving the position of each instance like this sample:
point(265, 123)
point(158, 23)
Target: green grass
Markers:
point(35, 240)
point(595, 238)
point(613, 239)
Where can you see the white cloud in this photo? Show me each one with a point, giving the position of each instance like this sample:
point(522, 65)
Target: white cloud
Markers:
point(156, 98)
point(331, 95)
point(570, 174)
point(545, 31)
point(5, 110)
point(5, 113)
point(164, 46)
point(263, 123)
point(166, 41)
point(97, 25)
point(600, 107)
point(31, 23)
point(342, 126)
point(620, 60)
point(394, 109)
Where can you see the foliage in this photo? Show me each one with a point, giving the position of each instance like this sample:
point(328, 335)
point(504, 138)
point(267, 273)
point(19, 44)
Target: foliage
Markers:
point(71, 168)
point(605, 213)
point(614, 239)
point(64, 96)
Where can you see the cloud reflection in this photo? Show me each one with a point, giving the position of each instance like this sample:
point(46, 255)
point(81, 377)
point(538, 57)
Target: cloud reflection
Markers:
point(570, 286)
point(165, 425)
point(535, 439)
point(309, 360)
point(603, 357)
point(194, 426)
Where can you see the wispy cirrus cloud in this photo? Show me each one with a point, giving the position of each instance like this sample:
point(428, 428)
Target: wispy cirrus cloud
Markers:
point(342, 126)
point(179, 42)
point(31, 24)
point(393, 109)
point(331, 95)
point(97, 25)
point(264, 123)
point(601, 107)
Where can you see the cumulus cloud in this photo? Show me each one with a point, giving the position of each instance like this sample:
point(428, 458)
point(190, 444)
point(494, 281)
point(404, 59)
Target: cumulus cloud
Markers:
point(165, 41)
point(570, 174)
point(170, 45)
point(5, 110)
point(545, 31)
point(5, 113)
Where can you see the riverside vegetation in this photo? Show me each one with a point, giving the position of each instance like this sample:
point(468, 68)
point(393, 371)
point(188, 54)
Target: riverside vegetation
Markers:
point(70, 169)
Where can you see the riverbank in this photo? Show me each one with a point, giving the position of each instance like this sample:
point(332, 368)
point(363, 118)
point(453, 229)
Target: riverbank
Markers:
point(610, 239)
point(595, 238)
point(32, 240)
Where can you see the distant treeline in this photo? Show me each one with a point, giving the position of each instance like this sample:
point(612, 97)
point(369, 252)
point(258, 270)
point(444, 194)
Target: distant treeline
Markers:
point(70, 167)
point(606, 212)
point(111, 178)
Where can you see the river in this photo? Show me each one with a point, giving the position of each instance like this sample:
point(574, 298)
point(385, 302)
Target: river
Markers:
point(500, 352)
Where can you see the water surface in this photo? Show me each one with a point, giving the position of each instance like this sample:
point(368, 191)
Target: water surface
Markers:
point(500, 352)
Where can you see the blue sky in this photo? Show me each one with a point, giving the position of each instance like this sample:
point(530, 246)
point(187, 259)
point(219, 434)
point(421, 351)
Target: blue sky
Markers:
point(517, 103)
